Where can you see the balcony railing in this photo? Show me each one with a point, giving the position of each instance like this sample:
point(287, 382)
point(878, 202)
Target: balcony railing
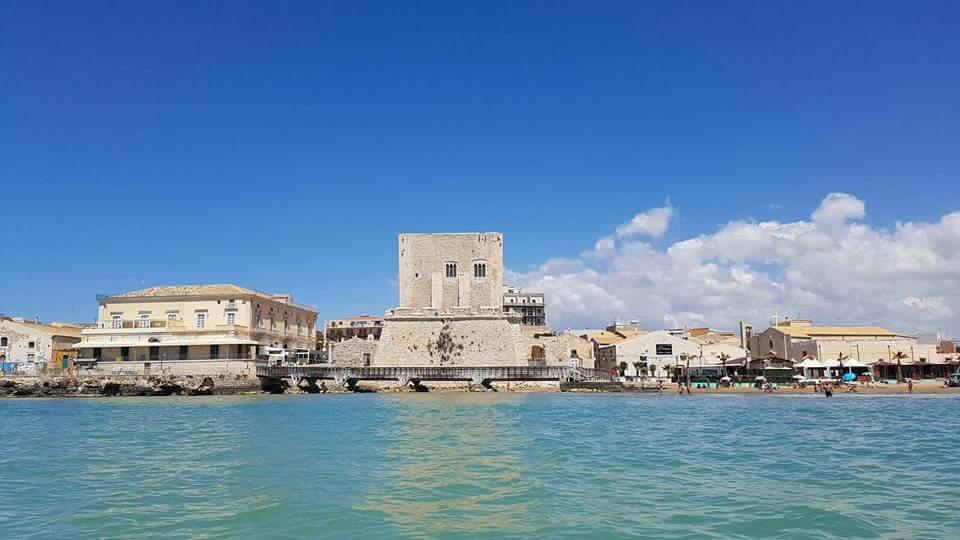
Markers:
point(138, 323)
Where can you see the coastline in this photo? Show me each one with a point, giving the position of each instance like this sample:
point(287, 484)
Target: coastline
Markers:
point(70, 387)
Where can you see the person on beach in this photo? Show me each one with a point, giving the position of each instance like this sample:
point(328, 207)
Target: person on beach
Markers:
point(827, 390)
point(910, 386)
point(660, 386)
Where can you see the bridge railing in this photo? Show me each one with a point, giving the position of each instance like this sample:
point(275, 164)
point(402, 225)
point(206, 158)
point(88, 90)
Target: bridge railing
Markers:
point(435, 373)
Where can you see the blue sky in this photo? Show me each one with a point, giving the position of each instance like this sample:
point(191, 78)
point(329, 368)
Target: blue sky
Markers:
point(283, 146)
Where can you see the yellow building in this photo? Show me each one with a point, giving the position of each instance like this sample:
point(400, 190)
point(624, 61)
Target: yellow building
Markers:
point(196, 322)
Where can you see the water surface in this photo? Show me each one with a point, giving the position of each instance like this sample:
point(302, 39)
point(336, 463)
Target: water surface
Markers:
point(493, 465)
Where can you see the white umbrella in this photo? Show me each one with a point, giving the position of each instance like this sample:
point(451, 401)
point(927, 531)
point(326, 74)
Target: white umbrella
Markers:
point(798, 377)
point(725, 378)
point(759, 378)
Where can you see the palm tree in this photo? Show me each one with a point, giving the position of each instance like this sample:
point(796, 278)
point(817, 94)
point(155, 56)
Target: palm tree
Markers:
point(898, 356)
point(636, 367)
point(668, 367)
point(686, 358)
point(723, 361)
point(623, 368)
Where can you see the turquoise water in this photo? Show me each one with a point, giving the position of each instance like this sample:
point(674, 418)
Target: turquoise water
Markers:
point(458, 465)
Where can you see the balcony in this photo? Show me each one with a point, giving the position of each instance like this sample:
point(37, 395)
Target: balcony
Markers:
point(139, 324)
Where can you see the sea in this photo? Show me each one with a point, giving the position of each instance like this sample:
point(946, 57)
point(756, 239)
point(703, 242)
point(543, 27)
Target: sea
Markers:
point(481, 465)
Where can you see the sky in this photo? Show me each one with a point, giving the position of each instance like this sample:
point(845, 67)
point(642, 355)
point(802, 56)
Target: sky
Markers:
point(682, 163)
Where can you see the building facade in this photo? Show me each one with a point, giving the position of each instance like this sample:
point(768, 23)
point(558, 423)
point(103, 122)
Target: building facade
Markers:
point(364, 327)
point(30, 347)
point(529, 306)
point(659, 353)
point(196, 322)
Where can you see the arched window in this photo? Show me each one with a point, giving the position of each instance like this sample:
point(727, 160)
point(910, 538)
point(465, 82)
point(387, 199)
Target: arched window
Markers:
point(537, 353)
point(3, 342)
point(479, 269)
point(771, 344)
point(451, 269)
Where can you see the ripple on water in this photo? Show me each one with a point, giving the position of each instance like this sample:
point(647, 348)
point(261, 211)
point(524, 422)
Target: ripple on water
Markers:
point(458, 465)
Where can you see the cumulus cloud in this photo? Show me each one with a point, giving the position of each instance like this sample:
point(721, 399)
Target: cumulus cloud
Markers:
point(832, 268)
point(653, 222)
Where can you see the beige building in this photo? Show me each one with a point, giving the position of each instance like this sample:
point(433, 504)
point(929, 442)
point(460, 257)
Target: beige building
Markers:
point(196, 322)
point(33, 347)
point(364, 327)
point(529, 306)
point(798, 340)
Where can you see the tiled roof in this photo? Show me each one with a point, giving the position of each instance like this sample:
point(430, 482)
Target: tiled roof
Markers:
point(814, 331)
point(65, 331)
point(186, 290)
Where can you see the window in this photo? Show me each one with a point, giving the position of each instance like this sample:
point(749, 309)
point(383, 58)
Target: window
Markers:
point(183, 352)
point(171, 316)
point(299, 327)
point(31, 357)
point(259, 319)
point(124, 352)
point(366, 359)
point(286, 325)
point(451, 269)
point(214, 351)
point(273, 323)
point(116, 321)
point(3, 342)
point(231, 317)
point(144, 320)
point(154, 353)
point(32, 345)
point(201, 320)
point(479, 270)
point(97, 353)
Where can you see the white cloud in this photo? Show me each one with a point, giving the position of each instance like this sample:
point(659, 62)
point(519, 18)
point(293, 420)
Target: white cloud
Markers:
point(653, 222)
point(832, 268)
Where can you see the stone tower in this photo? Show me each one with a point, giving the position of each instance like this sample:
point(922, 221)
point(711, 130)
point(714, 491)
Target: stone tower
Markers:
point(458, 270)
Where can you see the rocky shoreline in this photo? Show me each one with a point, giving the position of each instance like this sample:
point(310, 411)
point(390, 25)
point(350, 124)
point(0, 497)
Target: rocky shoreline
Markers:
point(66, 387)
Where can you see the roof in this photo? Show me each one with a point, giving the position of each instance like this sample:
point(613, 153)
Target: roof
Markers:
point(185, 290)
point(602, 337)
point(54, 330)
point(814, 331)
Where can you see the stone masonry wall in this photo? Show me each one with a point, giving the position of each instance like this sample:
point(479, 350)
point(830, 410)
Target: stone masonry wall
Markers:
point(457, 341)
point(423, 281)
point(350, 353)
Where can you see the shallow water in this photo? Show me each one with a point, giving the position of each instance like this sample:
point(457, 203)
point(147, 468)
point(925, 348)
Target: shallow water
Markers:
point(459, 465)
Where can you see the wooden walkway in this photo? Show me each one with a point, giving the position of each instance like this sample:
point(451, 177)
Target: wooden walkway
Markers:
point(479, 376)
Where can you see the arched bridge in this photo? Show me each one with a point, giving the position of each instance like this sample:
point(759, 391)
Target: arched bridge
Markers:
point(272, 376)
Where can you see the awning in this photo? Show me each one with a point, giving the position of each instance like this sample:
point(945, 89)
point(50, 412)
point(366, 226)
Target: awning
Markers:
point(810, 363)
point(169, 343)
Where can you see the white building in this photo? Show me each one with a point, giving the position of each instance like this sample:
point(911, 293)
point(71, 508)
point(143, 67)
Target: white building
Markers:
point(658, 352)
point(31, 347)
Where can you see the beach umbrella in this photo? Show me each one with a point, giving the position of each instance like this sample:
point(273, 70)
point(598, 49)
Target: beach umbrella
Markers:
point(725, 378)
point(798, 377)
point(759, 378)
point(849, 377)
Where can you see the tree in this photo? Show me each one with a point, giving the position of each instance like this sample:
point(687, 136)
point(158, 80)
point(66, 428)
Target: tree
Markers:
point(899, 356)
point(623, 368)
point(723, 361)
point(669, 367)
point(636, 367)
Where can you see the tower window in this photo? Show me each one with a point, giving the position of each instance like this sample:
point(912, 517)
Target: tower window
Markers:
point(451, 269)
point(479, 269)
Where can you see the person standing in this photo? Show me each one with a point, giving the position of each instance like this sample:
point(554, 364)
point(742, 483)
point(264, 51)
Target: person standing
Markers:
point(910, 386)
